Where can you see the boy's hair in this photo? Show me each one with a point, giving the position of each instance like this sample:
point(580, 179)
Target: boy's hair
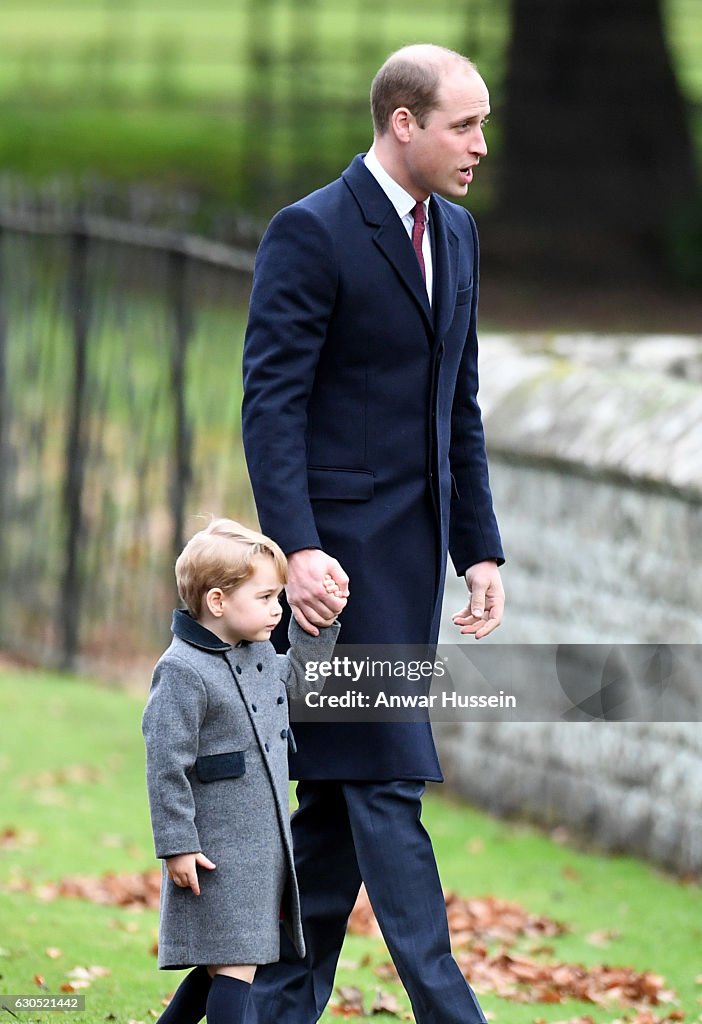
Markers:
point(222, 555)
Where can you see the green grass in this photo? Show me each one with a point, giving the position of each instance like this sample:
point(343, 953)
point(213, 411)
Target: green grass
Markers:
point(94, 819)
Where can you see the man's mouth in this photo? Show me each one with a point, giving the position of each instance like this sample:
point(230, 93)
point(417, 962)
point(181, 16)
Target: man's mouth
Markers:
point(467, 173)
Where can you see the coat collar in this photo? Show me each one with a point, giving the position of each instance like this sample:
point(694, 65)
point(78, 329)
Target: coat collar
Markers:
point(391, 239)
point(185, 627)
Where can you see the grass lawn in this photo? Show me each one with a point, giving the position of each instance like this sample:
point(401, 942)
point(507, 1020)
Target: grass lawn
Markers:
point(71, 771)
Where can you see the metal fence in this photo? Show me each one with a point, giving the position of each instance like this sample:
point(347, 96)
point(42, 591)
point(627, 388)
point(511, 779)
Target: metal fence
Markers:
point(120, 391)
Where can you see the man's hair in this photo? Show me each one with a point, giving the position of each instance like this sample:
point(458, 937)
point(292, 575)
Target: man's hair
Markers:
point(410, 78)
point(222, 555)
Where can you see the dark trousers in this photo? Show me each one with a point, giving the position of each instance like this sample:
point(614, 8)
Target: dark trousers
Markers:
point(345, 833)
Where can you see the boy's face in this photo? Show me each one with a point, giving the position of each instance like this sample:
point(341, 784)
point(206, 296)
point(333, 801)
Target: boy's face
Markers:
point(252, 611)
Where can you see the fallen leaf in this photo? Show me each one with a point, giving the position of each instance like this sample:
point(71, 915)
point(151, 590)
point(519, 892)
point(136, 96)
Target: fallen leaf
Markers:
point(53, 953)
point(386, 1002)
point(350, 1002)
point(39, 980)
point(602, 938)
point(386, 971)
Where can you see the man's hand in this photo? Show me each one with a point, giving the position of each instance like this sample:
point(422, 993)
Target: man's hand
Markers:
point(310, 596)
point(484, 611)
point(182, 869)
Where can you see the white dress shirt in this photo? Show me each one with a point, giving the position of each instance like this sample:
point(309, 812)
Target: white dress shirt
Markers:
point(404, 203)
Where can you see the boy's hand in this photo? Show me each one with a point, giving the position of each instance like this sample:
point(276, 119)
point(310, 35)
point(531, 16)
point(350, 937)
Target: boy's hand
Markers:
point(182, 869)
point(331, 586)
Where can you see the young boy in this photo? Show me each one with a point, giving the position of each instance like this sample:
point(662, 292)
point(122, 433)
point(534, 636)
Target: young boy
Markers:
point(217, 733)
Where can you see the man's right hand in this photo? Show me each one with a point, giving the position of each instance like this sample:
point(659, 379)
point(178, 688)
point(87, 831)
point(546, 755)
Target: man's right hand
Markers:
point(308, 596)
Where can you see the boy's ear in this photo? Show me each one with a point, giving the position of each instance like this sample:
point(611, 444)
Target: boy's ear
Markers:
point(213, 601)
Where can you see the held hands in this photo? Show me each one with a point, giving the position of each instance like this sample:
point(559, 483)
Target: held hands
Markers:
point(484, 611)
point(182, 869)
point(317, 588)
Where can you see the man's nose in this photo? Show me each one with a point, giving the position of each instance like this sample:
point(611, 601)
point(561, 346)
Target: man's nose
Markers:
point(478, 143)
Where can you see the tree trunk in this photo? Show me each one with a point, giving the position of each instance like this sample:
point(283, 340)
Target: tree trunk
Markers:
point(597, 158)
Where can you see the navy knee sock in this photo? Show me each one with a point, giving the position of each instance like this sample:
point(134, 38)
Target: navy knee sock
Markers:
point(226, 1003)
point(189, 1000)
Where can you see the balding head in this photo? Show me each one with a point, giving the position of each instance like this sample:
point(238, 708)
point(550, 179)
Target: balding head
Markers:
point(410, 78)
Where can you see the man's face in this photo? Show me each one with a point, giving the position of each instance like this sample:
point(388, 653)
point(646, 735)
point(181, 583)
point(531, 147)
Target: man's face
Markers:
point(440, 157)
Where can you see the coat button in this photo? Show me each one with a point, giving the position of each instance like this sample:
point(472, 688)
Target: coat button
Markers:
point(281, 700)
point(238, 668)
point(266, 747)
point(284, 734)
point(259, 667)
point(254, 708)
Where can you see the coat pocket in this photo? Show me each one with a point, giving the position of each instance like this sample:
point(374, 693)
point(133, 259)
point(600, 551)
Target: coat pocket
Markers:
point(213, 767)
point(463, 295)
point(340, 484)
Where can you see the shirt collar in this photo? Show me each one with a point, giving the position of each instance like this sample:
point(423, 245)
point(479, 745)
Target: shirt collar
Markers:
point(403, 202)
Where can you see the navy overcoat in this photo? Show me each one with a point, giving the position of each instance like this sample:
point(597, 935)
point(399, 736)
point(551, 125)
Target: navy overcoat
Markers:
point(362, 430)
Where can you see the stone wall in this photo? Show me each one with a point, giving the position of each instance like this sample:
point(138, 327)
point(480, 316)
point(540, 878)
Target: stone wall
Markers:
point(596, 468)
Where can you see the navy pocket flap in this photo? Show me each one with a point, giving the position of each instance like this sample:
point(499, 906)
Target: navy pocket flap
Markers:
point(340, 484)
point(463, 295)
point(213, 767)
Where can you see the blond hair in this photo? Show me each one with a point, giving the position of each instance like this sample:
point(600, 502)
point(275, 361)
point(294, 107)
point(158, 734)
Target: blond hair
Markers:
point(222, 555)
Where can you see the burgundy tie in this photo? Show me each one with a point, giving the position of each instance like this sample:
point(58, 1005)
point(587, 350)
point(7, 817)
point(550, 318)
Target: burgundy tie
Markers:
point(419, 217)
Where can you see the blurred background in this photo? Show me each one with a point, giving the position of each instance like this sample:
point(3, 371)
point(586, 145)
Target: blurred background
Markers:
point(143, 147)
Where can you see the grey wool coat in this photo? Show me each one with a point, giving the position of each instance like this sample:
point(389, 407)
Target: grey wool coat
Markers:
point(217, 732)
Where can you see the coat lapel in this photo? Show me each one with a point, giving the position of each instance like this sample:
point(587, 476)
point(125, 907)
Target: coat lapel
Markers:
point(390, 237)
point(445, 254)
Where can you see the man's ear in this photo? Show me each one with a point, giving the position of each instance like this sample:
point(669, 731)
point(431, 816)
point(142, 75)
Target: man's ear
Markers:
point(213, 601)
point(402, 124)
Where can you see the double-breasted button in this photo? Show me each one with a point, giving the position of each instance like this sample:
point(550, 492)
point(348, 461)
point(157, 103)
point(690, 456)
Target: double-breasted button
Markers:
point(238, 668)
point(254, 708)
point(281, 700)
point(283, 734)
point(266, 747)
point(259, 667)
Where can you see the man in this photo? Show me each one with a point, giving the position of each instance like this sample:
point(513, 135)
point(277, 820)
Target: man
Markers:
point(366, 454)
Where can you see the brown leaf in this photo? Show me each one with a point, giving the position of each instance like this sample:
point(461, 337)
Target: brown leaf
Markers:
point(53, 953)
point(386, 1002)
point(603, 937)
point(350, 1002)
point(39, 980)
point(387, 971)
point(8, 838)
